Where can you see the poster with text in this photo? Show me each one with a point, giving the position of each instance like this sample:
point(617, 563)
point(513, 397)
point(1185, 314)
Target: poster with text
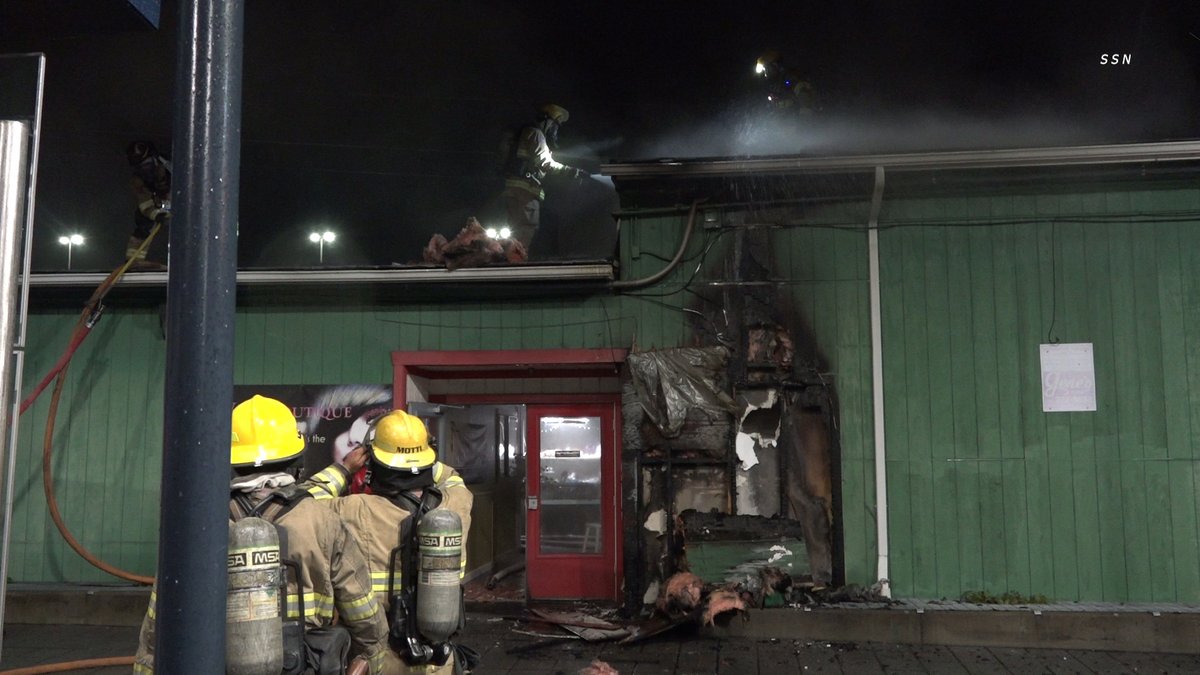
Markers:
point(332, 418)
point(1068, 378)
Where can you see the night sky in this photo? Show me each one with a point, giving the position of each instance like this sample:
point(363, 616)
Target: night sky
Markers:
point(382, 120)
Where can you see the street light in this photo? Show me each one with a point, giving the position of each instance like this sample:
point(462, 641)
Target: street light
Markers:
point(70, 241)
point(320, 239)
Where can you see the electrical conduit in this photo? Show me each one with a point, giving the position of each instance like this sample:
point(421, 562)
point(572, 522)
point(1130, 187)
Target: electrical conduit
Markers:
point(659, 275)
point(881, 511)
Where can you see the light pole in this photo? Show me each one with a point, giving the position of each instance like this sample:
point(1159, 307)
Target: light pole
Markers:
point(70, 241)
point(320, 239)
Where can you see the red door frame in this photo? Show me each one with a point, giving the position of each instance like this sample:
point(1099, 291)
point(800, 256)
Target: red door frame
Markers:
point(525, 363)
point(500, 363)
point(580, 574)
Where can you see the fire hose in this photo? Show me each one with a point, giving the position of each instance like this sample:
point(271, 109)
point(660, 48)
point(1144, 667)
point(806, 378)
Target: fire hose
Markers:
point(92, 310)
point(87, 319)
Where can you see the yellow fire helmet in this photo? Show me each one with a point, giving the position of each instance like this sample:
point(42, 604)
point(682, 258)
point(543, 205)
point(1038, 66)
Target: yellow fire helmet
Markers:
point(556, 112)
point(264, 432)
point(400, 441)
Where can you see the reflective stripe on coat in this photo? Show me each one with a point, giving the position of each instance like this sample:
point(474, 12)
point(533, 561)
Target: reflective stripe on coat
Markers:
point(374, 521)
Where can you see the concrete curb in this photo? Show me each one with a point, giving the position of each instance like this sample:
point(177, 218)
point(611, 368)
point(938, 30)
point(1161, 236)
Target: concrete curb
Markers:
point(1132, 631)
point(84, 606)
point(1116, 631)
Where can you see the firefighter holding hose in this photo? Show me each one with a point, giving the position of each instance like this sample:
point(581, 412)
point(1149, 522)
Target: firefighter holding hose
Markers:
point(413, 526)
point(528, 160)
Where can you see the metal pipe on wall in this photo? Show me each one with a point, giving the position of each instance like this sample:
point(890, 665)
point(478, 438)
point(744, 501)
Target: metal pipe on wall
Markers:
point(881, 511)
point(25, 75)
point(200, 315)
point(14, 174)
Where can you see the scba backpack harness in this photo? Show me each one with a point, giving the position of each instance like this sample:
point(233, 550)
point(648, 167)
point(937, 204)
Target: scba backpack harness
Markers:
point(306, 651)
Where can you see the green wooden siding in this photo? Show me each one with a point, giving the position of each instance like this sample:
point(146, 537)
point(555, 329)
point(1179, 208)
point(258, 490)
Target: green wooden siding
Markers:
point(826, 272)
point(106, 468)
point(110, 415)
point(108, 439)
point(986, 492)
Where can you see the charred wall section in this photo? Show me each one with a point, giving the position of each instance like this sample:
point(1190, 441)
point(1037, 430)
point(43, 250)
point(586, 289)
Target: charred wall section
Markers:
point(738, 433)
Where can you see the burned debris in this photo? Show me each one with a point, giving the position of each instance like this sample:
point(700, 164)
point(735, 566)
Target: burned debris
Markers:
point(473, 246)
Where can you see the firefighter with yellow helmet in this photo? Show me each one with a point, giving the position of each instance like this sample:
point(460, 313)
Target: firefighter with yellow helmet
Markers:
point(266, 451)
point(409, 488)
point(528, 160)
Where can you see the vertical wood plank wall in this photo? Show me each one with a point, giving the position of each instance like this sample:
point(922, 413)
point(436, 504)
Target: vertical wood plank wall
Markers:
point(986, 492)
point(106, 453)
point(108, 440)
point(825, 271)
point(106, 448)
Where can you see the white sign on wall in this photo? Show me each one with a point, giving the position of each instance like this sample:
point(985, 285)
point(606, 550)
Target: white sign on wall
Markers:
point(1068, 378)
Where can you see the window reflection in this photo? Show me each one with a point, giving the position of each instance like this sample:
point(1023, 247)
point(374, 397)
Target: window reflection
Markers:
point(569, 459)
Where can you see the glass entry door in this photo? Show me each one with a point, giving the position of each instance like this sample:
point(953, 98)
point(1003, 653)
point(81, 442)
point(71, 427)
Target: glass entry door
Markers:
point(571, 504)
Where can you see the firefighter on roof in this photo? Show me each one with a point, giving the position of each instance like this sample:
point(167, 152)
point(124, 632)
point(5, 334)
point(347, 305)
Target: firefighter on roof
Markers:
point(528, 160)
point(786, 87)
point(151, 184)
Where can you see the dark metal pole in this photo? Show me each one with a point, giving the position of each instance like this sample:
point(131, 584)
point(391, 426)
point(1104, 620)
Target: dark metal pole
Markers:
point(200, 313)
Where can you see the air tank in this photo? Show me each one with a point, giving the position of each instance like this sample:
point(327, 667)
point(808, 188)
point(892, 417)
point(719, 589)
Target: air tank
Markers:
point(439, 550)
point(253, 621)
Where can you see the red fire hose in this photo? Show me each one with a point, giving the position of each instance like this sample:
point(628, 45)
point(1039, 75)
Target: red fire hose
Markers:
point(91, 314)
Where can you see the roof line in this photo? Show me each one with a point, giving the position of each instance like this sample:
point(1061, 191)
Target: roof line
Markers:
point(1166, 151)
point(401, 275)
